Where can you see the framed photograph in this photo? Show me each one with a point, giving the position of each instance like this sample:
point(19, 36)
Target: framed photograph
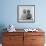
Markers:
point(26, 13)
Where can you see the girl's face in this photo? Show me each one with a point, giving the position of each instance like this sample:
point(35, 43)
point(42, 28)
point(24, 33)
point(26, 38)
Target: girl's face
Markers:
point(24, 11)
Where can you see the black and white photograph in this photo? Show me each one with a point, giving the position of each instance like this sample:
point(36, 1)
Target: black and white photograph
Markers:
point(26, 13)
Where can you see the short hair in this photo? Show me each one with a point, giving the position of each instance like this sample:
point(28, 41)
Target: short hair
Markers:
point(28, 10)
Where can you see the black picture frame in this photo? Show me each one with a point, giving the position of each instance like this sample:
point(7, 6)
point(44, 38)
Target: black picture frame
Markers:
point(30, 10)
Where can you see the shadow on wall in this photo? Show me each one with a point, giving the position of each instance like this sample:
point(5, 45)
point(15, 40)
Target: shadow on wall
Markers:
point(2, 26)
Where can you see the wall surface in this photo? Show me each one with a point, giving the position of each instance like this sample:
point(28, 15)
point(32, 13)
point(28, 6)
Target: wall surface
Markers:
point(8, 13)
